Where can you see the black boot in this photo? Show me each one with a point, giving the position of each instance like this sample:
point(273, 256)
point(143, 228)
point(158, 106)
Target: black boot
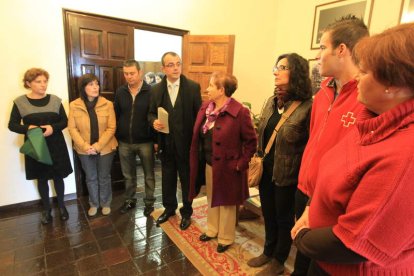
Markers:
point(46, 217)
point(64, 215)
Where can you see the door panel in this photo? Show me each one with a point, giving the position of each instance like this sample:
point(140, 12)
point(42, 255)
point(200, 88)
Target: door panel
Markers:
point(204, 54)
point(98, 46)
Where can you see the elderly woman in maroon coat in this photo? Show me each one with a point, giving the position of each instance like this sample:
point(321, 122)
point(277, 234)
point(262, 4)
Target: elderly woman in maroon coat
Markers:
point(223, 142)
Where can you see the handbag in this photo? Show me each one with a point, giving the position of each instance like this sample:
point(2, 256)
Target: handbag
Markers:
point(255, 170)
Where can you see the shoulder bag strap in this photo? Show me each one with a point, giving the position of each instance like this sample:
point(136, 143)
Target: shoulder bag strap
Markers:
point(282, 120)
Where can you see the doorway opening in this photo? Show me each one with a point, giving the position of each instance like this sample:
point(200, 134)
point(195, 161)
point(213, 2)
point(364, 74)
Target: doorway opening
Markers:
point(99, 45)
point(149, 46)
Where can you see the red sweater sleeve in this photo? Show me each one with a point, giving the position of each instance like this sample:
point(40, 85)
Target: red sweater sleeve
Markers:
point(382, 201)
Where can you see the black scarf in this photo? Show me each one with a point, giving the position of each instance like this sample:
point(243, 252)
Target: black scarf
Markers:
point(90, 106)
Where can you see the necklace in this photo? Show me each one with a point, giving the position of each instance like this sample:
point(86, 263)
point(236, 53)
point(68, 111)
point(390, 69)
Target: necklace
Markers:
point(280, 110)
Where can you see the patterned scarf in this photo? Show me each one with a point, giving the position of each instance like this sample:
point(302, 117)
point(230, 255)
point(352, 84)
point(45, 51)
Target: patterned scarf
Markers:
point(212, 114)
point(282, 96)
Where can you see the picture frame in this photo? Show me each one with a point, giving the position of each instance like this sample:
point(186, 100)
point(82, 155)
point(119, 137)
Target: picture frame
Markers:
point(312, 63)
point(328, 13)
point(151, 71)
point(314, 75)
point(407, 11)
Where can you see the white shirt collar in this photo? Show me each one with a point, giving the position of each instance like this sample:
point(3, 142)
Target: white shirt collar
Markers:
point(139, 87)
point(176, 83)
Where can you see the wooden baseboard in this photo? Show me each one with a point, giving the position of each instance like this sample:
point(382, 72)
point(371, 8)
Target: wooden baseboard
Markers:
point(34, 203)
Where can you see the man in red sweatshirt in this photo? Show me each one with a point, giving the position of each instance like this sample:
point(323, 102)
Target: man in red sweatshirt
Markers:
point(334, 111)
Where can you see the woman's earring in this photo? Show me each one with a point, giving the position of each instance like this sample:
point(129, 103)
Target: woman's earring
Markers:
point(387, 91)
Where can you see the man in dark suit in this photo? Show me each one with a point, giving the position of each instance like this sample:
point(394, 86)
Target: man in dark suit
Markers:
point(181, 98)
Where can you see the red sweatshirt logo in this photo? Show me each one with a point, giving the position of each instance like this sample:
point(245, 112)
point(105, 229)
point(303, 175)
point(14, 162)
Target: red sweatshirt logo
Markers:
point(348, 119)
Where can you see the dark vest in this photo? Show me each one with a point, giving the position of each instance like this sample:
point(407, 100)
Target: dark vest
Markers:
point(176, 124)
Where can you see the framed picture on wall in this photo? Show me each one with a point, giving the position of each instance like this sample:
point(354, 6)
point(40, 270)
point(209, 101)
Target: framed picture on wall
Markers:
point(152, 72)
point(328, 13)
point(313, 63)
point(407, 11)
point(314, 75)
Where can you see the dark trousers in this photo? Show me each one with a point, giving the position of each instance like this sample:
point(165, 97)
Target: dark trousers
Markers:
point(278, 213)
point(315, 270)
point(128, 157)
point(43, 188)
point(172, 166)
point(301, 261)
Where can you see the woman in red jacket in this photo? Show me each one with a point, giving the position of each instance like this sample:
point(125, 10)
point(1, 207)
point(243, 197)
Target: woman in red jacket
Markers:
point(360, 211)
point(223, 142)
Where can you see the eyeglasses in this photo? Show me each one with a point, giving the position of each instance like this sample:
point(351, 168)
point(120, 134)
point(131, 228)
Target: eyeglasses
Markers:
point(172, 65)
point(280, 68)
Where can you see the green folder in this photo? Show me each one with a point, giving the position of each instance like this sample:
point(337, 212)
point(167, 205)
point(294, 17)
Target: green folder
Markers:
point(35, 146)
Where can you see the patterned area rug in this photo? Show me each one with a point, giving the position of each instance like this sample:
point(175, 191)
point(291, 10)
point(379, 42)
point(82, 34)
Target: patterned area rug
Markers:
point(203, 255)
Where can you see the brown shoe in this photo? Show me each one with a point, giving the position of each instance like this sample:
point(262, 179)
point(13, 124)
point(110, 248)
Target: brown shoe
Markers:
point(273, 268)
point(259, 261)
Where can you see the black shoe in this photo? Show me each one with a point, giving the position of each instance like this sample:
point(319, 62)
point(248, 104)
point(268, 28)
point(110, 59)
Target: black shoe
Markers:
point(148, 210)
point(185, 223)
point(64, 215)
point(46, 217)
point(221, 248)
point(128, 205)
point(205, 238)
point(165, 216)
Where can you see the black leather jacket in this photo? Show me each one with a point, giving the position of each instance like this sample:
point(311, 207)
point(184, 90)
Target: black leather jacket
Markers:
point(290, 141)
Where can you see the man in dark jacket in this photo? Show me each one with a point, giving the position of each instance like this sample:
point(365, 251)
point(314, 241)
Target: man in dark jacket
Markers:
point(181, 98)
point(135, 135)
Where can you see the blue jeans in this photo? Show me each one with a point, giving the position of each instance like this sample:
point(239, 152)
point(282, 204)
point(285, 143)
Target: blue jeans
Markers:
point(127, 156)
point(97, 170)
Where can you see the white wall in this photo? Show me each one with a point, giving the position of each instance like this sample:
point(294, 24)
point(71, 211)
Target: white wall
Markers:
point(295, 35)
point(33, 36)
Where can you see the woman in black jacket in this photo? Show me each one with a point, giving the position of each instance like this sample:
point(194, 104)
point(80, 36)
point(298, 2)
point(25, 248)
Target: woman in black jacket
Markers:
point(281, 165)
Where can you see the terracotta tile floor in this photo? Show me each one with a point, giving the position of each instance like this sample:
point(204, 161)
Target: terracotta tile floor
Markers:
point(129, 244)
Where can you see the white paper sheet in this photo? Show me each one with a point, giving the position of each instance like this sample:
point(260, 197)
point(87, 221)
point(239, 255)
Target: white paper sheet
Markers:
point(163, 118)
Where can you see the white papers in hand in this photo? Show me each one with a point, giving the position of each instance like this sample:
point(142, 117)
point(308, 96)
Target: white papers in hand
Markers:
point(163, 118)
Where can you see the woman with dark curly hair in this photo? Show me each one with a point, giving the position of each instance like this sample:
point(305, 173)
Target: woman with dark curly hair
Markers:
point(281, 164)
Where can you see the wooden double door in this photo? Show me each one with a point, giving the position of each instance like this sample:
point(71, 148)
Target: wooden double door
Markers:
point(99, 45)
